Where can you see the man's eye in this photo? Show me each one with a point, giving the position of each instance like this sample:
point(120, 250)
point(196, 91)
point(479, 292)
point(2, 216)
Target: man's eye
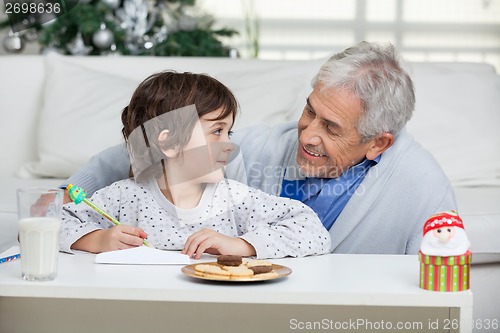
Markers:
point(230, 133)
point(217, 131)
point(330, 130)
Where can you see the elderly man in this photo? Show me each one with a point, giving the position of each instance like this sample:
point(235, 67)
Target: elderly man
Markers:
point(349, 157)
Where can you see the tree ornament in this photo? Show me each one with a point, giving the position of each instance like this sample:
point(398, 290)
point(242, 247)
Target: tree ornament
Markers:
point(30, 35)
point(113, 51)
point(78, 47)
point(13, 43)
point(136, 19)
point(103, 38)
point(233, 53)
point(148, 45)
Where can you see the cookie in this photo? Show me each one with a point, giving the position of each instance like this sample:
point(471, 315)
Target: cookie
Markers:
point(260, 269)
point(238, 271)
point(259, 263)
point(210, 269)
point(215, 276)
point(229, 260)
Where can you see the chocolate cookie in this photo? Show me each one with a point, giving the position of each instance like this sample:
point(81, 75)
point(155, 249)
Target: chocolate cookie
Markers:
point(229, 260)
point(261, 269)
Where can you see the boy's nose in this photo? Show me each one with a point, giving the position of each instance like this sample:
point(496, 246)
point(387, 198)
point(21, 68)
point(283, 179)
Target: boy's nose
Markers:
point(227, 146)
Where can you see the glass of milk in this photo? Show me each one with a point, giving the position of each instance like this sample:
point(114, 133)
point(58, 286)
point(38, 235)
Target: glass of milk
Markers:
point(39, 211)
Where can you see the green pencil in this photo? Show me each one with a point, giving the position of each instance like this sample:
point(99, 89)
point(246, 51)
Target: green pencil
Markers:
point(77, 195)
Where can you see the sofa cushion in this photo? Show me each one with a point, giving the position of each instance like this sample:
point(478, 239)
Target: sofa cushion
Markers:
point(21, 81)
point(479, 209)
point(80, 116)
point(456, 118)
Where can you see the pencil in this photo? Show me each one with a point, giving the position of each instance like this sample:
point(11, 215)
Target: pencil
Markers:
point(77, 195)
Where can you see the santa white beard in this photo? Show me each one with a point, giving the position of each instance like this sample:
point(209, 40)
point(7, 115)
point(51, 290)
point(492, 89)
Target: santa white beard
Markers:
point(457, 245)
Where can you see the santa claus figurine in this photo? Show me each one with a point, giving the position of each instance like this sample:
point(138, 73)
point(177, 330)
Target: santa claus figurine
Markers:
point(444, 235)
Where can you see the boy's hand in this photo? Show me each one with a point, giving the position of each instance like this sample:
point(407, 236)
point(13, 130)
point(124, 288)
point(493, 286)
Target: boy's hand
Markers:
point(210, 241)
point(66, 197)
point(41, 206)
point(119, 237)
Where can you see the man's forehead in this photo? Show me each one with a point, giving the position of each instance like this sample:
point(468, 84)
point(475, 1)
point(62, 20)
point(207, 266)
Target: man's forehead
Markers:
point(335, 105)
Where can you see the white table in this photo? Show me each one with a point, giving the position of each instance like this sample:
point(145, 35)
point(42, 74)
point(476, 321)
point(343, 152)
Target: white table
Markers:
point(358, 293)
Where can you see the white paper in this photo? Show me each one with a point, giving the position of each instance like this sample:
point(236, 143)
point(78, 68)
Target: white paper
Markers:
point(10, 252)
point(142, 255)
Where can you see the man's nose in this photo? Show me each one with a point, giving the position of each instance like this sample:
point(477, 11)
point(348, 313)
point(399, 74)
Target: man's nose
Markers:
point(310, 133)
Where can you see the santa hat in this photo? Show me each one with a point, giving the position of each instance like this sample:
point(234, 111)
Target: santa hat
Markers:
point(444, 219)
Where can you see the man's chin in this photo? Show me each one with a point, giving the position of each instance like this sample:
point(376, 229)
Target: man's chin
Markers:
point(309, 171)
point(313, 173)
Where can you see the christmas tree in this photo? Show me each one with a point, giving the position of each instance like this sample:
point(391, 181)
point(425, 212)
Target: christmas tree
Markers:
point(128, 27)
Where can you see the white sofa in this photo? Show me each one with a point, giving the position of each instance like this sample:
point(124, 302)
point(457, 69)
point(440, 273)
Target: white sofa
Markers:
point(58, 111)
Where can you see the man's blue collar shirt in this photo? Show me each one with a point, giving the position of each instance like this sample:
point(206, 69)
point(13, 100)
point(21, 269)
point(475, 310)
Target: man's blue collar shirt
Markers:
point(328, 196)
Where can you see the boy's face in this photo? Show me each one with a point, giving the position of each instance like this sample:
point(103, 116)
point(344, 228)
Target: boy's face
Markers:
point(206, 154)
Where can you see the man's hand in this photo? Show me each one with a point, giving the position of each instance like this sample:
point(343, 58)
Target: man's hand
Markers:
point(119, 237)
point(210, 241)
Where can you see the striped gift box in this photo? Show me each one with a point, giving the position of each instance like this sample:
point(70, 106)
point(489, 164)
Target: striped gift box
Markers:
point(445, 273)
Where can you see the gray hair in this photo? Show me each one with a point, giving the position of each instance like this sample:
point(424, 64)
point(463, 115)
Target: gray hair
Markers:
point(378, 77)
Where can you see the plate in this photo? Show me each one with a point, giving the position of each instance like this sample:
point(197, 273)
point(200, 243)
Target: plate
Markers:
point(281, 270)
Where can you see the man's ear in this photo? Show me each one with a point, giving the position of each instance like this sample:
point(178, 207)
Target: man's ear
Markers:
point(379, 145)
point(162, 142)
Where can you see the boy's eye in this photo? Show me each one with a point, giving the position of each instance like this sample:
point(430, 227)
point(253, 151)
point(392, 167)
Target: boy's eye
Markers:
point(219, 131)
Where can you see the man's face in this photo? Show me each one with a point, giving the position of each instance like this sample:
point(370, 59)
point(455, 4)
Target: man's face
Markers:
point(329, 142)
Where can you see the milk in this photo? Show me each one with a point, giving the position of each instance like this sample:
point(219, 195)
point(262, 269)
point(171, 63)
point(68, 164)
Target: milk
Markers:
point(39, 238)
